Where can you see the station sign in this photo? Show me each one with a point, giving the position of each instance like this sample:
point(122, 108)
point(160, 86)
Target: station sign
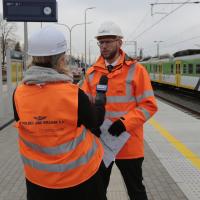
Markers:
point(30, 10)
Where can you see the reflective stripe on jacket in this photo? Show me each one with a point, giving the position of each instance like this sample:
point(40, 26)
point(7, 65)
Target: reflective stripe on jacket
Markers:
point(55, 152)
point(129, 95)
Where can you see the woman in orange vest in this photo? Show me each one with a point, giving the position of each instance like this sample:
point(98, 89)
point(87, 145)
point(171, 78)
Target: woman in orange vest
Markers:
point(130, 102)
point(61, 156)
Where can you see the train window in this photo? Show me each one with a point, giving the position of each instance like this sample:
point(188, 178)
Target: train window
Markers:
point(156, 68)
point(150, 68)
point(198, 69)
point(172, 69)
point(184, 69)
point(190, 68)
point(160, 69)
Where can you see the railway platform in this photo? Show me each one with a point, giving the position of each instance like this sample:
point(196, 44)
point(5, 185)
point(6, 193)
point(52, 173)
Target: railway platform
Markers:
point(171, 166)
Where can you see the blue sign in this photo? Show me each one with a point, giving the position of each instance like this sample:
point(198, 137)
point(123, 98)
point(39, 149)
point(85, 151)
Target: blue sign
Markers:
point(30, 10)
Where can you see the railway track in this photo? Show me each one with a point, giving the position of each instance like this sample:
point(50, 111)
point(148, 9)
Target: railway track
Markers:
point(186, 102)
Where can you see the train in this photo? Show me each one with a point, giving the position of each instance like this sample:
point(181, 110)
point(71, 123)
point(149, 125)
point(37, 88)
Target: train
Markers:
point(181, 70)
point(16, 71)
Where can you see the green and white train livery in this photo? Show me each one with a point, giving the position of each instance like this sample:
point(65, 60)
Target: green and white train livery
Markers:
point(180, 70)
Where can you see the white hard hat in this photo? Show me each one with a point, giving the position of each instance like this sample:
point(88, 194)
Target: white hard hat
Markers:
point(109, 29)
point(47, 41)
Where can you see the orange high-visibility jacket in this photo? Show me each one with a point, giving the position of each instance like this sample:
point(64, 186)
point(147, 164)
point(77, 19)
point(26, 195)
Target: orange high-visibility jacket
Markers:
point(129, 95)
point(55, 152)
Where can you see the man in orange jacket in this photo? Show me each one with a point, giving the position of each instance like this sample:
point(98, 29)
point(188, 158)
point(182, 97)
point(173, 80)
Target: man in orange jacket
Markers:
point(130, 102)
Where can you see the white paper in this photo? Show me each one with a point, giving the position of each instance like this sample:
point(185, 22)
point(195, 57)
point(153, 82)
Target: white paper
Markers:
point(112, 144)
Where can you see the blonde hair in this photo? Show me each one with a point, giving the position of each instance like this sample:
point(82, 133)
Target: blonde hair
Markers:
point(53, 62)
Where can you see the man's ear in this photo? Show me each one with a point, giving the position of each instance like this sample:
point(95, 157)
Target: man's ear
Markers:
point(120, 43)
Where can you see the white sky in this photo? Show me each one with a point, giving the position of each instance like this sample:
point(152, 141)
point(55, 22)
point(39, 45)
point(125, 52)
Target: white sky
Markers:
point(180, 30)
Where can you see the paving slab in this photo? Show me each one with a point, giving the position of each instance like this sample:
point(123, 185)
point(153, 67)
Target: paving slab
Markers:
point(159, 184)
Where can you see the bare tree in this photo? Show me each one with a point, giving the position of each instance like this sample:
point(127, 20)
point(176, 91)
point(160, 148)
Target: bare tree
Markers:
point(7, 35)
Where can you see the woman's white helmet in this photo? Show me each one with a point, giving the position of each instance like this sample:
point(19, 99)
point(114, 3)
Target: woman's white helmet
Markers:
point(109, 29)
point(47, 41)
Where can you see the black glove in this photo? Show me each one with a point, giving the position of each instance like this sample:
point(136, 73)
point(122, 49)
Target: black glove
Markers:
point(117, 128)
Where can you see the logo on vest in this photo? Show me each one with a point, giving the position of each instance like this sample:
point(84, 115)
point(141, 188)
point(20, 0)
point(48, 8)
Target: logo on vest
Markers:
point(38, 120)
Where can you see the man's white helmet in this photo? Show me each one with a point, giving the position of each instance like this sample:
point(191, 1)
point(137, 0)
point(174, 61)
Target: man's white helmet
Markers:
point(47, 41)
point(109, 29)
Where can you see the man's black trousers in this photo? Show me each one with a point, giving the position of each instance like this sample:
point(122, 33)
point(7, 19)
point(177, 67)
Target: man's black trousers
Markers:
point(131, 170)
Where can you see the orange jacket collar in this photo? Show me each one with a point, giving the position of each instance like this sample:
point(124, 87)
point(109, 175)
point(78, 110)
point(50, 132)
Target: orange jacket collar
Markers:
point(100, 63)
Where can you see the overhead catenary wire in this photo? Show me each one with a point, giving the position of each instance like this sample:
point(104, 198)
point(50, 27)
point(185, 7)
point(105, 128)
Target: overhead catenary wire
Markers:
point(168, 42)
point(183, 41)
point(141, 22)
point(149, 50)
point(161, 19)
point(183, 32)
point(195, 2)
point(169, 3)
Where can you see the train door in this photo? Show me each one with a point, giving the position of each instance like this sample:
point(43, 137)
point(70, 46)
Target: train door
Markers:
point(160, 72)
point(178, 72)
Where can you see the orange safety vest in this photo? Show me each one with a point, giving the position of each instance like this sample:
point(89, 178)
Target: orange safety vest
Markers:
point(55, 152)
point(129, 95)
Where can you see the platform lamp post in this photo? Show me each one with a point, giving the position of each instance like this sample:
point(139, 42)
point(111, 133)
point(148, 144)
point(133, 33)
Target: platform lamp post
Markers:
point(70, 34)
point(85, 34)
point(89, 51)
point(25, 58)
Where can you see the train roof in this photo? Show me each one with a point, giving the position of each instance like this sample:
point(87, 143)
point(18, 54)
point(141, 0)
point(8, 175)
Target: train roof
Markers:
point(145, 58)
point(164, 56)
point(186, 52)
point(155, 58)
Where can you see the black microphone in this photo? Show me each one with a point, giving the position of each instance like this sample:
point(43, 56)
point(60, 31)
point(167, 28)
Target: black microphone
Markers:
point(101, 89)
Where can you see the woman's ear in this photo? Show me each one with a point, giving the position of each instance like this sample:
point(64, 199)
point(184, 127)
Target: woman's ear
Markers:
point(61, 60)
point(67, 59)
point(60, 63)
point(62, 66)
